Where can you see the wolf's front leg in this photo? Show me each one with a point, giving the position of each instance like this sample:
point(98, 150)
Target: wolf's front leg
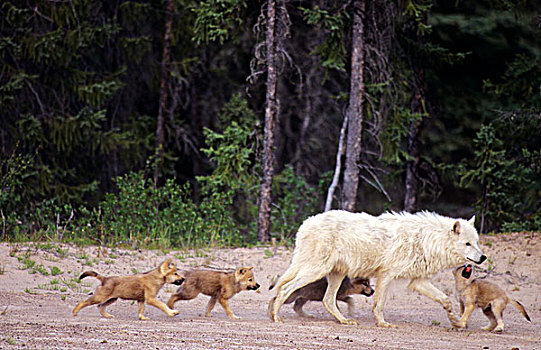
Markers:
point(329, 300)
point(379, 299)
point(423, 286)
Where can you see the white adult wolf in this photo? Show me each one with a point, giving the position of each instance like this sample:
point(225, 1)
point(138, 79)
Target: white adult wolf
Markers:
point(393, 245)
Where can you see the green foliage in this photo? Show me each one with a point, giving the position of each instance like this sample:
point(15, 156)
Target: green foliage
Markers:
point(296, 201)
point(333, 49)
point(156, 217)
point(216, 19)
point(502, 179)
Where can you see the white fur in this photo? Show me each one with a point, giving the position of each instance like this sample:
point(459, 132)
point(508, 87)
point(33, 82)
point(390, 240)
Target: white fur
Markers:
point(393, 245)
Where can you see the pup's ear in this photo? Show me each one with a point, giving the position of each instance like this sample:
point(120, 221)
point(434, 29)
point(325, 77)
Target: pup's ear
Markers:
point(456, 228)
point(165, 266)
point(248, 267)
point(239, 272)
point(472, 221)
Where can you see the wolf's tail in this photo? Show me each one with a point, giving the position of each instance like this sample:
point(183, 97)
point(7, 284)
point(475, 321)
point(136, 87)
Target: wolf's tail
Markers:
point(521, 308)
point(92, 274)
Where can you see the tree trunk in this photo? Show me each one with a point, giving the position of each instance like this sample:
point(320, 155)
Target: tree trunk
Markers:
point(265, 199)
point(354, 111)
point(414, 144)
point(166, 62)
point(414, 154)
point(338, 166)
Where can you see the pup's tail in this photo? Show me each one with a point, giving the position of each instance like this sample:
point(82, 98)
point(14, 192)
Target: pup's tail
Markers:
point(521, 308)
point(273, 283)
point(290, 273)
point(92, 274)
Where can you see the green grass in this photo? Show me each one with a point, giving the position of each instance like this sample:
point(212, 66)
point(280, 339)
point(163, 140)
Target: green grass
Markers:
point(27, 263)
point(55, 271)
point(10, 340)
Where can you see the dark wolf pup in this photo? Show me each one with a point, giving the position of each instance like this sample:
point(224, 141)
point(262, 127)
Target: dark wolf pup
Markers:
point(315, 291)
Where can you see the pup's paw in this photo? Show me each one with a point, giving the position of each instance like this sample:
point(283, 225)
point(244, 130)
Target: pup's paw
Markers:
point(498, 330)
point(173, 313)
point(143, 318)
point(234, 317)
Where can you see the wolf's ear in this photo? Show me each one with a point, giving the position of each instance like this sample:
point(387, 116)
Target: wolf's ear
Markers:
point(472, 221)
point(456, 228)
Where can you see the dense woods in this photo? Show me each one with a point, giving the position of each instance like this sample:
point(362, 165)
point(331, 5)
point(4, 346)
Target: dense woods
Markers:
point(202, 122)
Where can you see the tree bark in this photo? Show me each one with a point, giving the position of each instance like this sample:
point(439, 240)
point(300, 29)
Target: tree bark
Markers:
point(354, 111)
point(166, 63)
point(265, 195)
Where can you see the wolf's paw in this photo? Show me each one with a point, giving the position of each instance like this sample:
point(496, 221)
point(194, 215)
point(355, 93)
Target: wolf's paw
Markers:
point(276, 318)
point(385, 324)
point(459, 324)
point(349, 321)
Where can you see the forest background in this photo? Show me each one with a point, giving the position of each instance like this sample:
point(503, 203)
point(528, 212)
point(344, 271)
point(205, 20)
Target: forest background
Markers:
point(146, 122)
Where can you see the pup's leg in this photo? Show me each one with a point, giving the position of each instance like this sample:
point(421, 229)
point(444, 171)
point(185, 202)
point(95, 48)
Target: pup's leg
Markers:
point(490, 315)
point(329, 300)
point(156, 303)
point(379, 299)
point(210, 305)
point(228, 311)
point(299, 303)
point(95, 299)
point(465, 316)
point(102, 306)
point(141, 310)
point(172, 300)
point(183, 293)
point(426, 288)
point(497, 307)
point(351, 306)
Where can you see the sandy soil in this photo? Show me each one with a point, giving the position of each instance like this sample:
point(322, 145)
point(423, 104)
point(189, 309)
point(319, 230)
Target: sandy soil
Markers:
point(35, 309)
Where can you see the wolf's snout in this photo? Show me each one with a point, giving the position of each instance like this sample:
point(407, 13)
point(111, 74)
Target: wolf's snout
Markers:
point(483, 258)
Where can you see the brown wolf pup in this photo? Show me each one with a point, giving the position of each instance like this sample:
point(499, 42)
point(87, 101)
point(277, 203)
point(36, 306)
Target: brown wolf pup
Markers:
point(142, 287)
point(220, 286)
point(485, 295)
point(315, 291)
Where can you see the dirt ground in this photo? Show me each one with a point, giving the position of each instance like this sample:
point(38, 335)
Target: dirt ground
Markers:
point(38, 290)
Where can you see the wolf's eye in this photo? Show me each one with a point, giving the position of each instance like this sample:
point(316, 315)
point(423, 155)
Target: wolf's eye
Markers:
point(468, 244)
